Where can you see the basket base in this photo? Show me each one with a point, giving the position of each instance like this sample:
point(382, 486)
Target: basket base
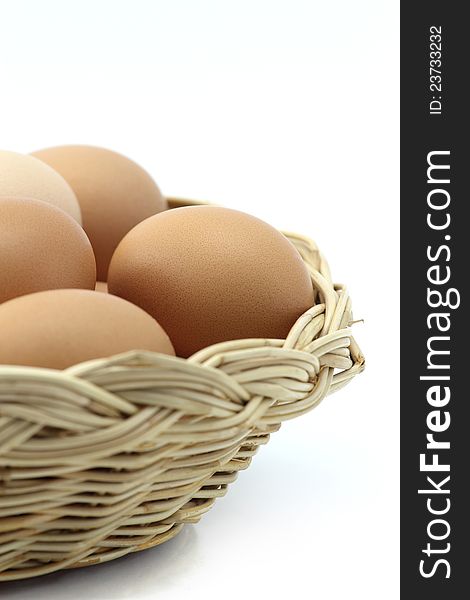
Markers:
point(118, 552)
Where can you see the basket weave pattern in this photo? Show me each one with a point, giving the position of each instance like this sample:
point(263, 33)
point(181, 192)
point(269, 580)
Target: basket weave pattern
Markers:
point(115, 455)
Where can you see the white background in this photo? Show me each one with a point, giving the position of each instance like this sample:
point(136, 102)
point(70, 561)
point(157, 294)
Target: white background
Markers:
point(288, 110)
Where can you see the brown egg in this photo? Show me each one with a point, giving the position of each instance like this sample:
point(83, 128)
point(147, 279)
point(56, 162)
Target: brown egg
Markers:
point(60, 328)
point(211, 274)
point(114, 193)
point(23, 176)
point(41, 248)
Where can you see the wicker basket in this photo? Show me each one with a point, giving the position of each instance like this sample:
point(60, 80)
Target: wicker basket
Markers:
point(115, 455)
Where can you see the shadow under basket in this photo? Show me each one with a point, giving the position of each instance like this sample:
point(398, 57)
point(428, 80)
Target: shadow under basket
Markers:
point(115, 455)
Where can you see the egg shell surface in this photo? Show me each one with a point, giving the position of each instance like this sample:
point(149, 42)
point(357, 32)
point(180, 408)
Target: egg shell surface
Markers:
point(24, 176)
point(41, 248)
point(211, 274)
point(60, 328)
point(114, 194)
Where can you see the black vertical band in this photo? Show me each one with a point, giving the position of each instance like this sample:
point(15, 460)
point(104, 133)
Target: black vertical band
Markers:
point(435, 268)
